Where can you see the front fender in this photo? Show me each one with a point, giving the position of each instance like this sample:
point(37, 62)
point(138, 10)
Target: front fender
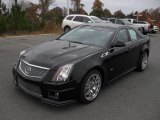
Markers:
point(84, 66)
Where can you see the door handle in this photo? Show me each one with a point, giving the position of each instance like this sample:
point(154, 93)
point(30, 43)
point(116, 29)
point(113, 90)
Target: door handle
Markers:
point(130, 49)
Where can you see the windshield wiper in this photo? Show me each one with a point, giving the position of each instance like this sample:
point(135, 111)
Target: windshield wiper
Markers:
point(75, 42)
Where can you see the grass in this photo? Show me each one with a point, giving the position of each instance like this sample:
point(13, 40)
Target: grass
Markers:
point(50, 28)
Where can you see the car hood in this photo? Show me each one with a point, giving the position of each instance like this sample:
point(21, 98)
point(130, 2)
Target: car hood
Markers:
point(57, 52)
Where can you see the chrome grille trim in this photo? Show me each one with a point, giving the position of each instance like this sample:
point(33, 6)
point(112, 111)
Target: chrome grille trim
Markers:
point(33, 66)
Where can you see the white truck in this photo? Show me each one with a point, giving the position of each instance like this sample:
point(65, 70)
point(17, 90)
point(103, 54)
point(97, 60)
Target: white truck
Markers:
point(146, 27)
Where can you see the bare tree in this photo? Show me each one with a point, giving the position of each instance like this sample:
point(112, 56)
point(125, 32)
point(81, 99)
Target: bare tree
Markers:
point(76, 5)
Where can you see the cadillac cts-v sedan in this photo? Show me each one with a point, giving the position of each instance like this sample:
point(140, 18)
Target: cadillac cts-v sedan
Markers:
point(75, 66)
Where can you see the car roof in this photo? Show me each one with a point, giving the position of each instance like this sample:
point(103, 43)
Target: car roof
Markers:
point(106, 25)
point(81, 15)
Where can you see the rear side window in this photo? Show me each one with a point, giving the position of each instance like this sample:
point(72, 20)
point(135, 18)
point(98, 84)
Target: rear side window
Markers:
point(78, 19)
point(133, 34)
point(70, 18)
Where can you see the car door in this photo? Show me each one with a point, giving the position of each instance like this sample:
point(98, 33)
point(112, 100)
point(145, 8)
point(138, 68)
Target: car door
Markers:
point(118, 60)
point(134, 47)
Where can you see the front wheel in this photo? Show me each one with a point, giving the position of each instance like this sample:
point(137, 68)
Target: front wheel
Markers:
point(67, 29)
point(90, 87)
point(143, 62)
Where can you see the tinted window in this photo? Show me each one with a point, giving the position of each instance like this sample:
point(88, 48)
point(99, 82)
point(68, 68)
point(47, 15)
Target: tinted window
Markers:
point(122, 35)
point(96, 19)
point(112, 20)
point(133, 34)
point(89, 35)
point(70, 17)
point(134, 21)
point(141, 22)
point(129, 20)
point(103, 18)
point(78, 19)
point(120, 22)
point(86, 19)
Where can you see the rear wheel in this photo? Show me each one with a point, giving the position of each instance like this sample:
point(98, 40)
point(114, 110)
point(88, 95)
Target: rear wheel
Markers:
point(90, 87)
point(143, 62)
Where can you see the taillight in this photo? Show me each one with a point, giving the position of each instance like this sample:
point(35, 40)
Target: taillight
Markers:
point(149, 27)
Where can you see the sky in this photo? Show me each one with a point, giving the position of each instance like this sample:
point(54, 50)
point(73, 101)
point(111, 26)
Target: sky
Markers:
point(127, 6)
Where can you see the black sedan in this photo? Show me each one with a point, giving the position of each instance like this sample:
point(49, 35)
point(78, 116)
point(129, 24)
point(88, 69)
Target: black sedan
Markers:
point(76, 65)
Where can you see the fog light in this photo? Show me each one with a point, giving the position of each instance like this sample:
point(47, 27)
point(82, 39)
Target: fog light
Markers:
point(53, 95)
point(56, 94)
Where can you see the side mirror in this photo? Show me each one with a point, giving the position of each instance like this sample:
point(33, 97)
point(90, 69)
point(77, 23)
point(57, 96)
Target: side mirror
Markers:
point(119, 43)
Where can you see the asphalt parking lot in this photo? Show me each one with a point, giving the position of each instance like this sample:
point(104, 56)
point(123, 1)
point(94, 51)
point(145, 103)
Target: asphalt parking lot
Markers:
point(135, 96)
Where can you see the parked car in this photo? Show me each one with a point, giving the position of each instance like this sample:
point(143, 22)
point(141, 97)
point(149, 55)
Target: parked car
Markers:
point(122, 22)
point(76, 65)
point(155, 29)
point(74, 20)
point(143, 24)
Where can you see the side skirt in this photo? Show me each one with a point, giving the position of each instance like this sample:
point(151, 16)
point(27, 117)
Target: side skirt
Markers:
point(120, 75)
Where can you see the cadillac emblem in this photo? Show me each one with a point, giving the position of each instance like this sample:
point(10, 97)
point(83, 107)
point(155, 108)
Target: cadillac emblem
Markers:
point(28, 69)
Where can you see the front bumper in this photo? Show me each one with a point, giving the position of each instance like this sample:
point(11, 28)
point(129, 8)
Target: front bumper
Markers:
point(54, 94)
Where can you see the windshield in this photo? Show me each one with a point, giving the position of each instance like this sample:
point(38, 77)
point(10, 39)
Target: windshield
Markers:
point(96, 19)
point(89, 35)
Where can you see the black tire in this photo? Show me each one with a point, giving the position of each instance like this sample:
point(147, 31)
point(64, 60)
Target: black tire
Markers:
point(67, 29)
point(154, 32)
point(82, 95)
point(143, 62)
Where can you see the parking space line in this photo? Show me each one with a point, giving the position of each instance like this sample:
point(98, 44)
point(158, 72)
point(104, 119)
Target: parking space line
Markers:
point(27, 36)
point(27, 45)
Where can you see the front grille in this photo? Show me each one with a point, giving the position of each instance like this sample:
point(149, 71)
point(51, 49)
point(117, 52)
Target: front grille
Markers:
point(33, 89)
point(32, 70)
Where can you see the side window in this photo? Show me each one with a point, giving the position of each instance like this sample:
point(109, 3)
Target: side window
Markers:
point(120, 22)
point(86, 20)
point(112, 20)
point(78, 19)
point(129, 21)
point(122, 36)
point(70, 18)
point(134, 21)
point(133, 34)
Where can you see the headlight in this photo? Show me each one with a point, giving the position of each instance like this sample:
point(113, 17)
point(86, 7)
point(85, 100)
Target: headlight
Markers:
point(22, 52)
point(63, 73)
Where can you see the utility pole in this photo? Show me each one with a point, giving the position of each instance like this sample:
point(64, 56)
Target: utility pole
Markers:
point(67, 7)
point(138, 15)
